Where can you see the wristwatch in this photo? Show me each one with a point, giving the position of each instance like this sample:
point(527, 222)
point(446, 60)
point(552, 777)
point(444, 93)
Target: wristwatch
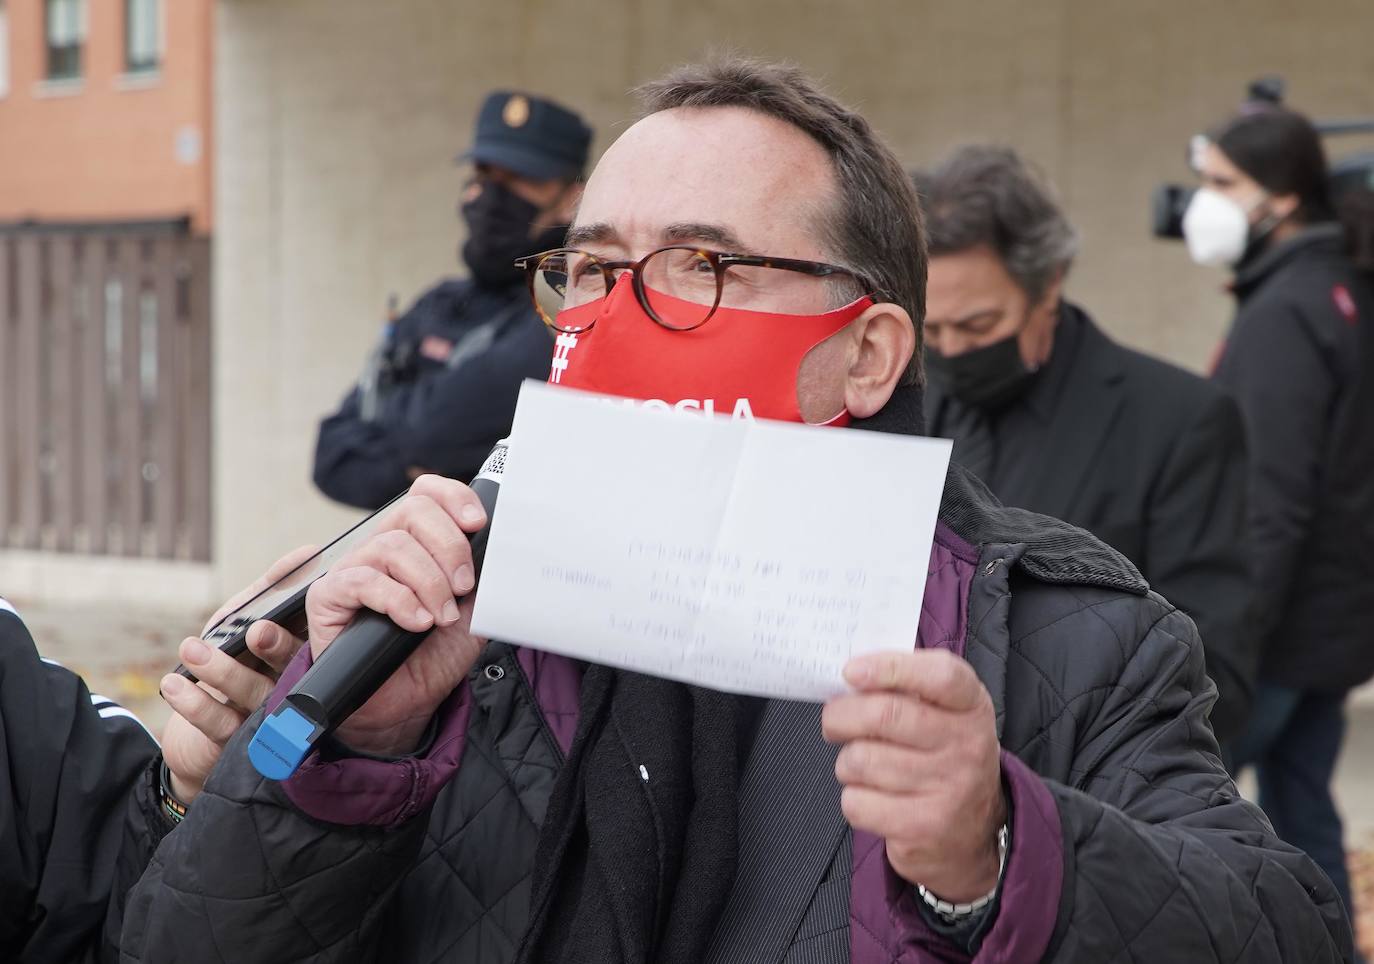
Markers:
point(953, 913)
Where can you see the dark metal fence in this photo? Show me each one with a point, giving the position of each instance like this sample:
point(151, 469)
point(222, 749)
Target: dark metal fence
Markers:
point(105, 389)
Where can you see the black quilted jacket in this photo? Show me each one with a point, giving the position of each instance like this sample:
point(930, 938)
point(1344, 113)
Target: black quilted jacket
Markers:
point(1099, 687)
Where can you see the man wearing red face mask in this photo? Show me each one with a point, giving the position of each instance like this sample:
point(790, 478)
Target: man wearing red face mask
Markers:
point(1035, 779)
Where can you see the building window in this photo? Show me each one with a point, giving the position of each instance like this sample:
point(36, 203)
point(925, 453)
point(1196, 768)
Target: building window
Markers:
point(4, 50)
point(66, 32)
point(142, 36)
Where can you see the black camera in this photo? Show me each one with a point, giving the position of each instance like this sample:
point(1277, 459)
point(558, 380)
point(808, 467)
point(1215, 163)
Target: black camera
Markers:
point(1169, 202)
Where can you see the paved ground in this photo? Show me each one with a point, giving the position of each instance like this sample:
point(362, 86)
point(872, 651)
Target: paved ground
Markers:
point(123, 653)
point(1355, 786)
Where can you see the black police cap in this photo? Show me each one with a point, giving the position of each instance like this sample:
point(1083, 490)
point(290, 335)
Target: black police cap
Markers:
point(529, 135)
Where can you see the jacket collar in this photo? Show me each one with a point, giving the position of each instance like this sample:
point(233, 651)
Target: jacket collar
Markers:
point(902, 415)
point(1050, 550)
point(1042, 398)
point(1045, 548)
point(1328, 235)
point(1085, 413)
point(1087, 406)
point(933, 406)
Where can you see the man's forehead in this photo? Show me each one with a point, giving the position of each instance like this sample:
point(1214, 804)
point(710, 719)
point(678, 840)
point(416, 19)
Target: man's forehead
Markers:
point(754, 177)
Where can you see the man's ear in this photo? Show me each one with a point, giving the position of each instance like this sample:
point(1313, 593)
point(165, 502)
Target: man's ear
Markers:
point(1036, 340)
point(1049, 301)
point(1283, 205)
point(883, 341)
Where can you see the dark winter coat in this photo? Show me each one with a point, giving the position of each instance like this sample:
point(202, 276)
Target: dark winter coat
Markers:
point(1299, 359)
point(1129, 840)
point(74, 833)
point(451, 369)
point(1151, 460)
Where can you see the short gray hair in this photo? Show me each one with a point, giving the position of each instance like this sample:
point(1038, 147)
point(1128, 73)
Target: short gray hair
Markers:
point(876, 229)
point(984, 196)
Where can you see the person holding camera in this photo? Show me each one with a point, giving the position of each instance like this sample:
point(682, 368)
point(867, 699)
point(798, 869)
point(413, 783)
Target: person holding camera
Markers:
point(1299, 359)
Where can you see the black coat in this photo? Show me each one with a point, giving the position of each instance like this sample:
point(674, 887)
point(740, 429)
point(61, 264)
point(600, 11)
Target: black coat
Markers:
point(438, 414)
point(1098, 686)
point(75, 826)
point(1300, 360)
point(1151, 460)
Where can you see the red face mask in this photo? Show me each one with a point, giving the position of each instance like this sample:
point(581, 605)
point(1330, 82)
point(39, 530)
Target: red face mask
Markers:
point(740, 363)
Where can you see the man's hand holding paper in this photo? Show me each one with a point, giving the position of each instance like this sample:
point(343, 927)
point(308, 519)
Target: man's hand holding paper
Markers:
point(708, 550)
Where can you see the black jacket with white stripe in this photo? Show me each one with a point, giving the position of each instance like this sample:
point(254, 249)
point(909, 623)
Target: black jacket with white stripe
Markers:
point(71, 765)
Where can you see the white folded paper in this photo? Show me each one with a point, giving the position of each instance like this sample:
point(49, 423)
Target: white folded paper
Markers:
point(749, 556)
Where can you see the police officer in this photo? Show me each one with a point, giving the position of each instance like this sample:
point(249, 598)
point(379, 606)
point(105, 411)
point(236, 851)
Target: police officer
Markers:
point(441, 388)
point(1299, 358)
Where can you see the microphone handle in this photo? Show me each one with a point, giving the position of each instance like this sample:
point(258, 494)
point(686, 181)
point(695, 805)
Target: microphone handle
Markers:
point(353, 667)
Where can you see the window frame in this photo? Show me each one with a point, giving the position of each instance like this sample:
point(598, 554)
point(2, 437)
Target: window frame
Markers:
point(144, 68)
point(4, 49)
point(76, 50)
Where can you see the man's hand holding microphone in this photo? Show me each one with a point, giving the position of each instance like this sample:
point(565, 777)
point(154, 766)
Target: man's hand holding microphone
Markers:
point(410, 570)
point(920, 753)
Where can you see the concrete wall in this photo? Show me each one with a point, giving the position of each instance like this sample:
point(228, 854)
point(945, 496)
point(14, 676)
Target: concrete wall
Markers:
point(108, 146)
point(336, 121)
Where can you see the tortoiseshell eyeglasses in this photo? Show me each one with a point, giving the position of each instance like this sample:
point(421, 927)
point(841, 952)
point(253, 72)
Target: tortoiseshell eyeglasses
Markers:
point(678, 286)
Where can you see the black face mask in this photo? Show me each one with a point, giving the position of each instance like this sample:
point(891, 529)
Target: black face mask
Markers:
point(987, 378)
point(499, 225)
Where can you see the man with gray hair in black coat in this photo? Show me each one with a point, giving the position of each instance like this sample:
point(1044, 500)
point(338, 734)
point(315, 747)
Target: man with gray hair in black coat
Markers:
point(1056, 417)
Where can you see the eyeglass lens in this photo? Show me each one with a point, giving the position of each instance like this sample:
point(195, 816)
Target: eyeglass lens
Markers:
point(679, 284)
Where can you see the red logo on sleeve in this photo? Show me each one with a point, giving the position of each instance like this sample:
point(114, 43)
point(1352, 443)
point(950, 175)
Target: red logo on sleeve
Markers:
point(1345, 304)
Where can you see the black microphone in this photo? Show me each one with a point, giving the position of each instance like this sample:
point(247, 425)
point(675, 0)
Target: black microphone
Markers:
point(356, 663)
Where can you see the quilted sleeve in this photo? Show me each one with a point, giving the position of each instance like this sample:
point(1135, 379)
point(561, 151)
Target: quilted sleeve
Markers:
point(248, 877)
point(1163, 860)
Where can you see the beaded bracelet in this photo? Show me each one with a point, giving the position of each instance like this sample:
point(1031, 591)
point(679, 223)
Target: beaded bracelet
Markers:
point(171, 806)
